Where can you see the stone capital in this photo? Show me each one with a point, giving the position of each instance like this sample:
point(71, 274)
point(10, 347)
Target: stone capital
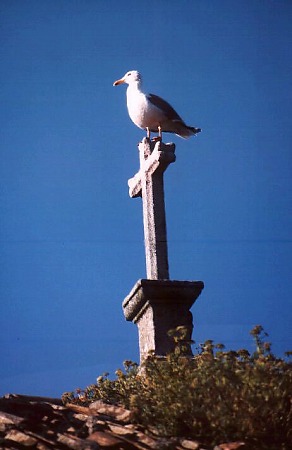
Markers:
point(157, 306)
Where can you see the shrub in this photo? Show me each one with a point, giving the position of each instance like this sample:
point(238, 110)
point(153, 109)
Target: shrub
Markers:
point(217, 395)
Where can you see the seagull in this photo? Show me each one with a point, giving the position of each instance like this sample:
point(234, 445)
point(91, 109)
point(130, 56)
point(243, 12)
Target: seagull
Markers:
point(150, 112)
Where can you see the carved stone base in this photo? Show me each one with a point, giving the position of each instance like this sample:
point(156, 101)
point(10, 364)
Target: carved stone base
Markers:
point(157, 306)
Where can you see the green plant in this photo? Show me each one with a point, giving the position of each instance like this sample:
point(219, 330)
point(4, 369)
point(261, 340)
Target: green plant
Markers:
point(217, 395)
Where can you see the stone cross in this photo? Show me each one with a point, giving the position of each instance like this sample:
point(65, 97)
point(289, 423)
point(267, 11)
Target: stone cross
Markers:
point(157, 304)
point(148, 184)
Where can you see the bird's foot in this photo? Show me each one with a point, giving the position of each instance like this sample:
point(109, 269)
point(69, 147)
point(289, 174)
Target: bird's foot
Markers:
point(157, 139)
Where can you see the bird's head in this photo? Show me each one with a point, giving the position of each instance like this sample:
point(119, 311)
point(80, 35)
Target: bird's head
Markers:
point(133, 76)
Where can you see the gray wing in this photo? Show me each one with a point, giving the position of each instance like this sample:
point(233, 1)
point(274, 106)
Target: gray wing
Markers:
point(168, 110)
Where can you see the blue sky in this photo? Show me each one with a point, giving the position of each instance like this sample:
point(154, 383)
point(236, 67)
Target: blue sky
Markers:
point(72, 238)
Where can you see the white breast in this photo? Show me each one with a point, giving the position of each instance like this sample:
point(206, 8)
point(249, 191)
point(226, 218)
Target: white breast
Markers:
point(141, 111)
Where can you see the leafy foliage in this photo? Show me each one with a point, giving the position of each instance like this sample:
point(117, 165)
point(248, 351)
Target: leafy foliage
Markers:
point(216, 395)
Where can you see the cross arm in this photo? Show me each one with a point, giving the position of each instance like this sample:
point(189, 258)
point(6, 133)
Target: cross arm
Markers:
point(159, 159)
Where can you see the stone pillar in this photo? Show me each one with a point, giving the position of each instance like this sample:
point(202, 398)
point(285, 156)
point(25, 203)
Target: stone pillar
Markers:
point(148, 184)
point(157, 306)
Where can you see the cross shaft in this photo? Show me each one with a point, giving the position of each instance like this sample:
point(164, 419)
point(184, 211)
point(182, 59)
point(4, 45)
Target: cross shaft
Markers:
point(148, 184)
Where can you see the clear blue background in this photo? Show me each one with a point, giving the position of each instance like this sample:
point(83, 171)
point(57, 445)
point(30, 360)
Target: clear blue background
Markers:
point(72, 238)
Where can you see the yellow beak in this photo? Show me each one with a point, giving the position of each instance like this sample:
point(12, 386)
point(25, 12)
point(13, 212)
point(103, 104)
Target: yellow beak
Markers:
point(116, 83)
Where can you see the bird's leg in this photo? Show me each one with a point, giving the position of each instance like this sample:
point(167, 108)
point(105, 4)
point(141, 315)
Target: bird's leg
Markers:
point(148, 133)
point(159, 137)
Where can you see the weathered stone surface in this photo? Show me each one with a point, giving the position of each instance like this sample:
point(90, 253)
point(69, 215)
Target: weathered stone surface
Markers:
point(79, 409)
point(94, 423)
point(148, 183)
point(117, 412)
point(105, 439)
point(20, 438)
point(148, 441)
point(9, 419)
point(120, 430)
point(39, 423)
point(41, 446)
point(190, 445)
point(82, 417)
point(157, 306)
point(76, 443)
point(229, 446)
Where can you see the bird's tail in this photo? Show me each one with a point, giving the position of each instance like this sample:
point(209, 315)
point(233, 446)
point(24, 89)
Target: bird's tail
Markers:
point(194, 130)
point(186, 131)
